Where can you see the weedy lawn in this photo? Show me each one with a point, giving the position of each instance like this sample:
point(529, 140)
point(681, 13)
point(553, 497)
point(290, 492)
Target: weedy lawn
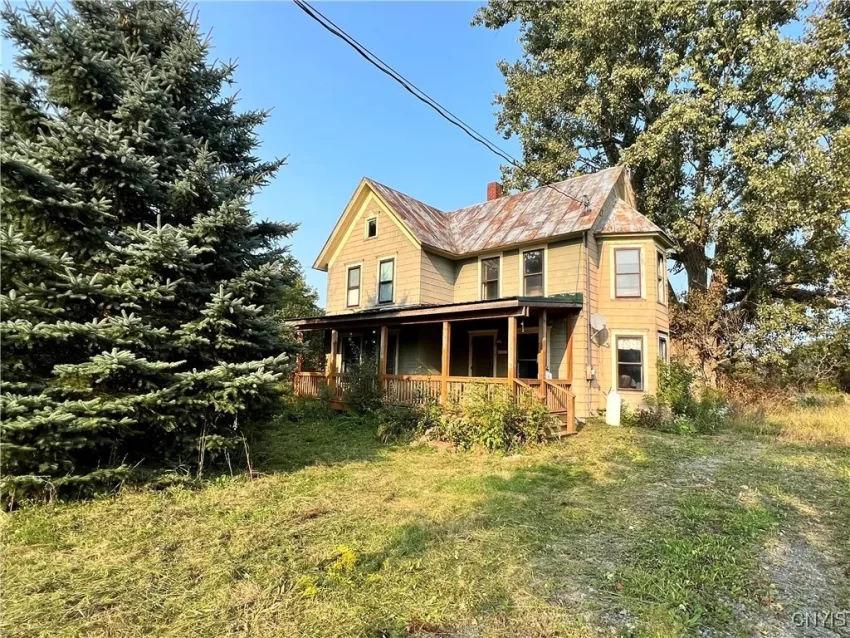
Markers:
point(614, 531)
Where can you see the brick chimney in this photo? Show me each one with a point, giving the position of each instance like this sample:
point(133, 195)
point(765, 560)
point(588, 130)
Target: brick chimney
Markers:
point(494, 191)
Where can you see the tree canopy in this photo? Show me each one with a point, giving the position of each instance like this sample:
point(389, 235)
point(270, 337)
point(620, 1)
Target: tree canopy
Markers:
point(141, 301)
point(734, 118)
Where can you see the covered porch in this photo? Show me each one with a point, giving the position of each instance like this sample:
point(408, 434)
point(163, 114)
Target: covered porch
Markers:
point(437, 353)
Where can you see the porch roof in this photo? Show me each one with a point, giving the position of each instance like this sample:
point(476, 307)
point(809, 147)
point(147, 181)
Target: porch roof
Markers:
point(433, 313)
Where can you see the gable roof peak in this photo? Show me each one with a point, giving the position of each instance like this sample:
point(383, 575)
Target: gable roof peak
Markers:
point(563, 208)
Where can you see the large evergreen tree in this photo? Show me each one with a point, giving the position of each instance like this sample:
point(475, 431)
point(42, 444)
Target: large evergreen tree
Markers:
point(734, 117)
point(141, 302)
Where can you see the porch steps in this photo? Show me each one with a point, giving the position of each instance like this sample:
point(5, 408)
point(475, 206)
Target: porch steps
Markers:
point(562, 430)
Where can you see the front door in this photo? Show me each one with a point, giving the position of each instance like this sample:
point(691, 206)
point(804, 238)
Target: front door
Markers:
point(482, 352)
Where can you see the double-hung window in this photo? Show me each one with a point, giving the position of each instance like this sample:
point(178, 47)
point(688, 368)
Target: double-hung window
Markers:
point(627, 273)
point(660, 268)
point(532, 273)
point(629, 363)
point(490, 278)
point(352, 293)
point(663, 351)
point(386, 274)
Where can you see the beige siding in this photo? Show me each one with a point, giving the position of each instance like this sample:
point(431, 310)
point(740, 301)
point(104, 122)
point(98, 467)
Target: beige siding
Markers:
point(585, 387)
point(558, 335)
point(357, 249)
point(437, 279)
point(466, 280)
point(510, 273)
point(564, 269)
point(408, 353)
point(430, 348)
point(629, 317)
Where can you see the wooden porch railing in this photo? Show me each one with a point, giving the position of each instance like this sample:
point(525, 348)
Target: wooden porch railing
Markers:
point(412, 388)
point(524, 392)
point(416, 389)
point(307, 384)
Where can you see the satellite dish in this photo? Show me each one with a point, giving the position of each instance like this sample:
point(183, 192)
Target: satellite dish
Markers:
point(597, 322)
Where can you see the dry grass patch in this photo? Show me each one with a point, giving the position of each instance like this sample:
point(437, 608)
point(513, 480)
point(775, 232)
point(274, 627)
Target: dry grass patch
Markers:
point(828, 425)
point(620, 530)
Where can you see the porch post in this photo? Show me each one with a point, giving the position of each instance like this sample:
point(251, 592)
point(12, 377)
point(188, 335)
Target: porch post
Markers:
point(444, 370)
point(571, 414)
point(570, 331)
point(382, 366)
point(541, 357)
point(330, 368)
point(512, 354)
point(299, 358)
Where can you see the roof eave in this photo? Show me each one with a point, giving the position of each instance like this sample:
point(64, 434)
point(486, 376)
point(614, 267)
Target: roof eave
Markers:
point(652, 233)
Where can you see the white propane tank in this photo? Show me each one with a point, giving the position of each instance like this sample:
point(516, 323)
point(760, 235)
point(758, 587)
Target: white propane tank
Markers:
point(612, 410)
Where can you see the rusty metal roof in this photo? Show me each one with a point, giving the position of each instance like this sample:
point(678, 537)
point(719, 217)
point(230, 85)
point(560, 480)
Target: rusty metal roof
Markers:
point(431, 226)
point(624, 218)
point(548, 211)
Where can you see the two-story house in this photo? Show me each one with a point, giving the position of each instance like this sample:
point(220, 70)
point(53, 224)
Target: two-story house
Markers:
point(560, 291)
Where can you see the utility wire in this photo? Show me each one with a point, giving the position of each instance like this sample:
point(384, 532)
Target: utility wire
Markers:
point(419, 94)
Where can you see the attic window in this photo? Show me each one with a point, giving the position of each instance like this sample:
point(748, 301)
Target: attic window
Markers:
point(371, 228)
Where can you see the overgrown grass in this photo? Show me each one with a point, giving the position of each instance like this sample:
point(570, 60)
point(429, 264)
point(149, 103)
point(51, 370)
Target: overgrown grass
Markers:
point(828, 425)
point(622, 530)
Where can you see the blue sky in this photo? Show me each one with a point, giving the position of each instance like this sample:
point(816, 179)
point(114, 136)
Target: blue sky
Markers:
point(338, 118)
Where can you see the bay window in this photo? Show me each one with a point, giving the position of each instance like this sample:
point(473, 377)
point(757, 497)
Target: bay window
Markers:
point(627, 273)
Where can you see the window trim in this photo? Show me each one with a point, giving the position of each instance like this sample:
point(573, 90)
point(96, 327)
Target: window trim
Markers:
point(661, 284)
point(366, 228)
point(481, 258)
point(641, 287)
point(543, 249)
point(485, 333)
point(663, 336)
point(349, 268)
point(382, 260)
point(615, 368)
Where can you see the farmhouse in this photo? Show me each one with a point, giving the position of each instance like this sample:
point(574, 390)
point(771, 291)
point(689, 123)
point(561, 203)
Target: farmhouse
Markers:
point(558, 292)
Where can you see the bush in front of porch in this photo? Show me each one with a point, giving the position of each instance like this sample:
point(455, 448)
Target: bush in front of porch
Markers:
point(486, 417)
point(491, 418)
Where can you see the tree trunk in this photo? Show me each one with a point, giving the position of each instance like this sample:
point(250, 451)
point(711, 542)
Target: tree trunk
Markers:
point(696, 266)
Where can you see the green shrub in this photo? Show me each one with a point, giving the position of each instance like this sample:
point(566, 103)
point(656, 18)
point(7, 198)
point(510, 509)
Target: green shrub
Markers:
point(676, 409)
point(398, 421)
point(489, 417)
point(362, 390)
point(675, 387)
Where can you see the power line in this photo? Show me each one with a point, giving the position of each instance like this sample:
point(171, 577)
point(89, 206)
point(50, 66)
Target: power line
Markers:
point(419, 94)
